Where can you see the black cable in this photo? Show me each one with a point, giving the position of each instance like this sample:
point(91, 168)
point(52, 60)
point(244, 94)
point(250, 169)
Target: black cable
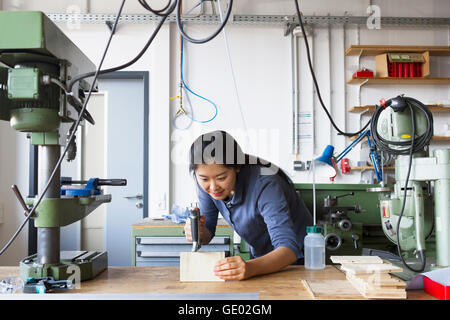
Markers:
point(411, 151)
point(419, 142)
point(209, 38)
point(347, 134)
point(129, 63)
point(159, 12)
point(72, 136)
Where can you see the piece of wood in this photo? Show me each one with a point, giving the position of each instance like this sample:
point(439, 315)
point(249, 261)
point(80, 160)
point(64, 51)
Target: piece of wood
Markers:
point(370, 268)
point(371, 108)
point(362, 168)
point(356, 259)
point(433, 138)
point(395, 80)
point(376, 293)
point(331, 289)
point(199, 266)
point(372, 50)
point(378, 281)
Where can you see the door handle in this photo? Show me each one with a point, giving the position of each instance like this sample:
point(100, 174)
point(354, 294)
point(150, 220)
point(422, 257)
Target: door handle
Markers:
point(138, 196)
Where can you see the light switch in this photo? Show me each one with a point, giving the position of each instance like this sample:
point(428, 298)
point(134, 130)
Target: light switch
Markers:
point(162, 202)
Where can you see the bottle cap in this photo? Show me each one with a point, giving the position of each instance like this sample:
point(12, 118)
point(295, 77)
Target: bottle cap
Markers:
point(314, 229)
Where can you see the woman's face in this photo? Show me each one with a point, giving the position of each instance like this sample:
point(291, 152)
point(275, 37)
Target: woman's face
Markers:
point(217, 180)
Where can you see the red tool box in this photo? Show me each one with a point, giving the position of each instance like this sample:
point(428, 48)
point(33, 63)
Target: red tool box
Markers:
point(363, 73)
point(436, 289)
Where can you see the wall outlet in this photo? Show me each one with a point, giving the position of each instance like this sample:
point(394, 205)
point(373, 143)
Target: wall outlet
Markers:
point(162, 202)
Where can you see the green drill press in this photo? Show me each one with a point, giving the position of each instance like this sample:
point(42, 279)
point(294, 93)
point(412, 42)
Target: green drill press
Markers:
point(36, 60)
point(418, 207)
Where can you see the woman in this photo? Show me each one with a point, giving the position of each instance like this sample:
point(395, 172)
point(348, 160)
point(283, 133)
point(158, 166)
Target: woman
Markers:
point(256, 198)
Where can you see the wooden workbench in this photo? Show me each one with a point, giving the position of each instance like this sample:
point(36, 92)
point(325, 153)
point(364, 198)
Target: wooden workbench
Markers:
point(283, 285)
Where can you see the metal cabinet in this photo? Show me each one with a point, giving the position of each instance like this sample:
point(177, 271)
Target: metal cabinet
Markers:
point(159, 242)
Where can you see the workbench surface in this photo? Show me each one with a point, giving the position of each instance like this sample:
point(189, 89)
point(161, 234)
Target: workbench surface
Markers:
point(283, 285)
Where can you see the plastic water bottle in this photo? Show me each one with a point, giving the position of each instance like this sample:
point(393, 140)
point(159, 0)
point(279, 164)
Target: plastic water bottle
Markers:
point(314, 248)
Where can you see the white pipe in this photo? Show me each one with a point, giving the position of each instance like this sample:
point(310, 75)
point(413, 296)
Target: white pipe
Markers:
point(313, 102)
point(295, 93)
point(330, 83)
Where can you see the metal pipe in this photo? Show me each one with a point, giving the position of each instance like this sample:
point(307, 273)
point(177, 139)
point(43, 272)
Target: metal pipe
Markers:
point(295, 93)
point(48, 238)
point(330, 84)
point(419, 218)
point(442, 212)
point(313, 100)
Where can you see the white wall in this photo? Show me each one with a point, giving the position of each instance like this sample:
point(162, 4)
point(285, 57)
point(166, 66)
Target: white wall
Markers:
point(262, 64)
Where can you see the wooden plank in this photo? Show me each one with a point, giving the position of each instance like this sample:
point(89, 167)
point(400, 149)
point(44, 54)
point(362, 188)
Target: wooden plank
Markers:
point(390, 282)
point(370, 268)
point(371, 108)
point(392, 80)
point(440, 138)
point(331, 289)
point(372, 50)
point(371, 168)
point(378, 281)
point(367, 276)
point(370, 293)
point(199, 266)
point(433, 138)
point(355, 259)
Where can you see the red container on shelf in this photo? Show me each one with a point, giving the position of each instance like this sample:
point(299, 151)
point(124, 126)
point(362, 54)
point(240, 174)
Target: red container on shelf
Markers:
point(363, 73)
point(436, 289)
point(404, 69)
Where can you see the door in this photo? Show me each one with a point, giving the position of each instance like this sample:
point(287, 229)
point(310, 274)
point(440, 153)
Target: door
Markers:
point(126, 158)
point(93, 164)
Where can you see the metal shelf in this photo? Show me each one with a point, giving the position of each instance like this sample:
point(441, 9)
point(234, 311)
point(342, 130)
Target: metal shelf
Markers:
point(101, 18)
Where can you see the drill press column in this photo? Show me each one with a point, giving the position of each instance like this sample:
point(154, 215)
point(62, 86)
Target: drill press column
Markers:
point(442, 211)
point(49, 238)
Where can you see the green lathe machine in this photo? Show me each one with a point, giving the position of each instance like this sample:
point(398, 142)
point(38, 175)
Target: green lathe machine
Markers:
point(36, 61)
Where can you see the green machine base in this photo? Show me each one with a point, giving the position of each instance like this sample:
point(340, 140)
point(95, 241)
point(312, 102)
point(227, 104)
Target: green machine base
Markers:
point(78, 265)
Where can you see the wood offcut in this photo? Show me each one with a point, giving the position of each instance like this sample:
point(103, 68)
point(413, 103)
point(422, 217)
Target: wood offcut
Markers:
point(199, 266)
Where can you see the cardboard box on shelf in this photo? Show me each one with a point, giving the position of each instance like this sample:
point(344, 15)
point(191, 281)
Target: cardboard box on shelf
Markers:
point(402, 65)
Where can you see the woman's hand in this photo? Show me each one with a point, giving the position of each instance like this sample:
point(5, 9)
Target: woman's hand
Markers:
point(204, 233)
point(231, 268)
point(235, 268)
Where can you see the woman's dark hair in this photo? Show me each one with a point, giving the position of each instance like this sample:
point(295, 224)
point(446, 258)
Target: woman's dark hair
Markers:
point(221, 148)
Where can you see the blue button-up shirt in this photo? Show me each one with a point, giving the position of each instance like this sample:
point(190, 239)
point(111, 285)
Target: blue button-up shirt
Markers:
point(265, 211)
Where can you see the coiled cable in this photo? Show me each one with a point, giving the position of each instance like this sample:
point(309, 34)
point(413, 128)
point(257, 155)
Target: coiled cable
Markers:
point(417, 144)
